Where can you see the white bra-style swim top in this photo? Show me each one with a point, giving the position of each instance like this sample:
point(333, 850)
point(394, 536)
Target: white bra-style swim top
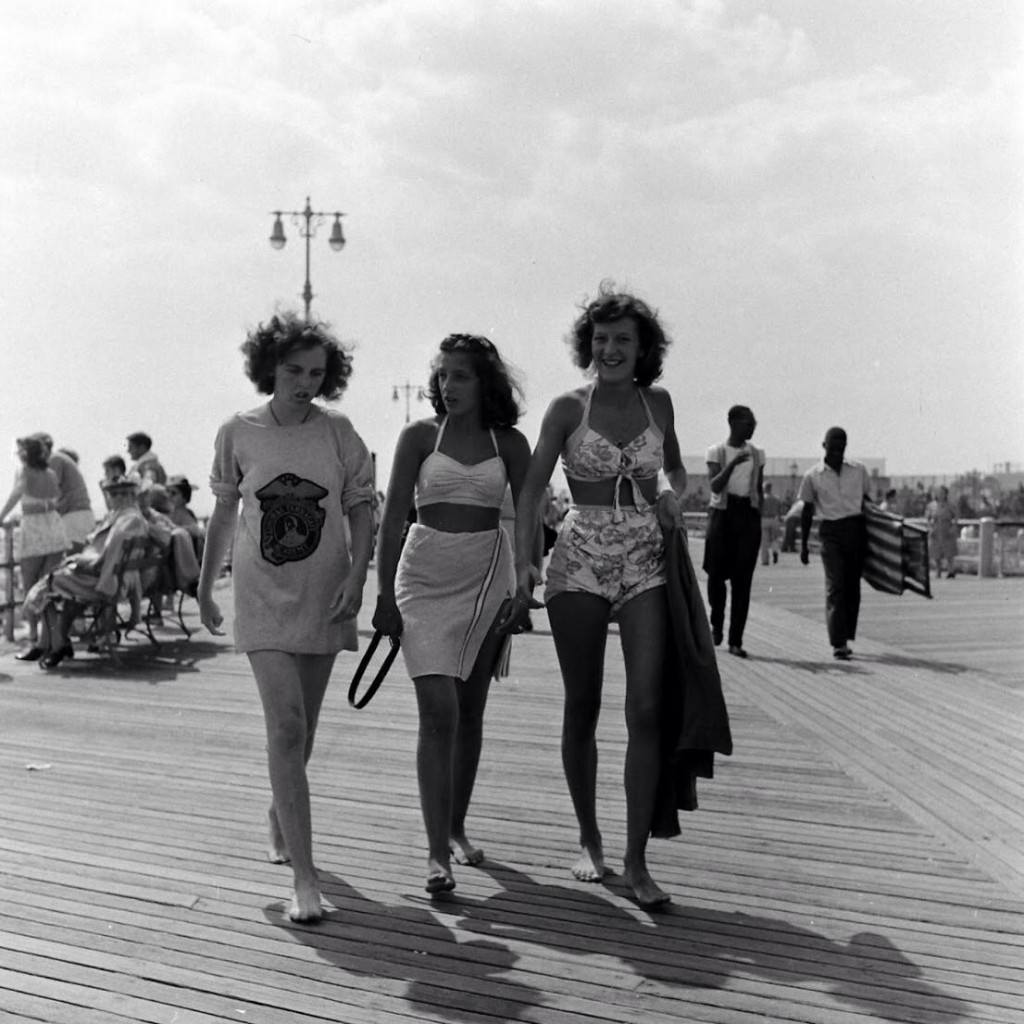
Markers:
point(444, 479)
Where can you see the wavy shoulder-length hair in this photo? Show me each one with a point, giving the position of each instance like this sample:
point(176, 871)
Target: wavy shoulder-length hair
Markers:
point(499, 390)
point(267, 346)
point(612, 304)
point(33, 452)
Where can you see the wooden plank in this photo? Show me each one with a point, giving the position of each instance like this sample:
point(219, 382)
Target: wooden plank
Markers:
point(656, 1000)
point(818, 883)
point(944, 802)
point(61, 1002)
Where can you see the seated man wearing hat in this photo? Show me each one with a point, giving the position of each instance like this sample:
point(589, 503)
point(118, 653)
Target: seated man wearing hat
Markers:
point(88, 575)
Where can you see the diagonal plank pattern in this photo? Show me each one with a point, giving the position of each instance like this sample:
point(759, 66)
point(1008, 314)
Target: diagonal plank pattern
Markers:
point(858, 859)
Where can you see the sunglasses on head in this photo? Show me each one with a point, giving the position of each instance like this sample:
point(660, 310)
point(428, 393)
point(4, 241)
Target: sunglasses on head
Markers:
point(471, 342)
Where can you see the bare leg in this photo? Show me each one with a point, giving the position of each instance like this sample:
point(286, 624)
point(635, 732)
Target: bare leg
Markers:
point(290, 686)
point(315, 674)
point(277, 848)
point(472, 698)
point(643, 625)
point(439, 719)
point(579, 625)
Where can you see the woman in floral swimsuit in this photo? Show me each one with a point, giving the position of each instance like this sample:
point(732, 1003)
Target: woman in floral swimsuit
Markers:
point(615, 436)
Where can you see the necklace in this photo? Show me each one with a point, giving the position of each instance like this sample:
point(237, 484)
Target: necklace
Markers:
point(270, 406)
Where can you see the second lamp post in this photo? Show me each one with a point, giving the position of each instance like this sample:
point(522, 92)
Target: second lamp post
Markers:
point(410, 390)
point(307, 221)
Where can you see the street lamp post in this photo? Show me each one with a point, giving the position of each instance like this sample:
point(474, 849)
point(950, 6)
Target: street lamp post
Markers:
point(409, 390)
point(307, 221)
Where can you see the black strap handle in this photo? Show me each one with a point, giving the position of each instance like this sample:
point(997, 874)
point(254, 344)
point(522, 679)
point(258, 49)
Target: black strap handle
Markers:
point(381, 672)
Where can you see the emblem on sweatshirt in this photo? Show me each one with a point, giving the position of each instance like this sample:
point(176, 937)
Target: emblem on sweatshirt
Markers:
point(292, 519)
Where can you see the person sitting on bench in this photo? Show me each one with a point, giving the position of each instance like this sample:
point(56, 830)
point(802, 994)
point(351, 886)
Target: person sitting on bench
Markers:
point(88, 576)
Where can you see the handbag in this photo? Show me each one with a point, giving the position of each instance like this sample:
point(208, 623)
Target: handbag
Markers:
point(389, 659)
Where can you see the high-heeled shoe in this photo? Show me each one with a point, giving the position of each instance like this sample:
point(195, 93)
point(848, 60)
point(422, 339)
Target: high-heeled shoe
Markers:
point(54, 658)
point(32, 654)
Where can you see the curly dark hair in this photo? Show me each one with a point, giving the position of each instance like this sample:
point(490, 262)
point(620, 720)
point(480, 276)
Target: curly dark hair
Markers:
point(610, 305)
point(33, 452)
point(499, 406)
point(267, 345)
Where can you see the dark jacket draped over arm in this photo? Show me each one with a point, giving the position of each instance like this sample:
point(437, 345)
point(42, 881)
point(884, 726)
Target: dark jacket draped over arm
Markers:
point(695, 721)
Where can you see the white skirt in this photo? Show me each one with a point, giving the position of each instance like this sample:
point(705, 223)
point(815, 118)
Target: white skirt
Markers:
point(42, 533)
point(449, 587)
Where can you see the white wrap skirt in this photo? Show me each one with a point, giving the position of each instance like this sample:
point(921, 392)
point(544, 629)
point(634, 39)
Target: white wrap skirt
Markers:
point(449, 587)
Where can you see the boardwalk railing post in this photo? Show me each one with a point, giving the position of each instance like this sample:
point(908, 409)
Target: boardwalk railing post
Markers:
point(986, 547)
point(8, 561)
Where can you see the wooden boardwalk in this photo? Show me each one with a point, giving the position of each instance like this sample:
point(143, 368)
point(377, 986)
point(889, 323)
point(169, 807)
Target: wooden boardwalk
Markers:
point(860, 858)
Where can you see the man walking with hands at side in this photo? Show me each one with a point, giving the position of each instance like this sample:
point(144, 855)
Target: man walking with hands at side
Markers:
point(735, 476)
point(838, 487)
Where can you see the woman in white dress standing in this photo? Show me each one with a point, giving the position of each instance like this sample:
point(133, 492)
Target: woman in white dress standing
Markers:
point(299, 470)
point(43, 539)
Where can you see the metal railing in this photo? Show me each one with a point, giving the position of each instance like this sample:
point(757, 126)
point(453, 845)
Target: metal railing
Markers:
point(1009, 548)
point(696, 523)
point(991, 547)
point(8, 573)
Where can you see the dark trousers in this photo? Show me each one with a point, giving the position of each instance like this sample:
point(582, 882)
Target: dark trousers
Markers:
point(843, 548)
point(730, 555)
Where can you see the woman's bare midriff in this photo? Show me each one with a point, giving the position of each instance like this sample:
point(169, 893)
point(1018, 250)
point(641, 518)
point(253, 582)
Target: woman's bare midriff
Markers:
point(602, 492)
point(452, 518)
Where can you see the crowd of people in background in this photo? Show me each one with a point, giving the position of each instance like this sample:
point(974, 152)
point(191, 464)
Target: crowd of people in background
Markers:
point(68, 554)
point(967, 499)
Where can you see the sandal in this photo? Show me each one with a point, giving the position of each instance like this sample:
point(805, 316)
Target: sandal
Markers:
point(439, 881)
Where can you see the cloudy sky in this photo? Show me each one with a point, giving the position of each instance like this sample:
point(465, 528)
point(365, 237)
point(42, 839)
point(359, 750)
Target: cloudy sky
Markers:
point(824, 201)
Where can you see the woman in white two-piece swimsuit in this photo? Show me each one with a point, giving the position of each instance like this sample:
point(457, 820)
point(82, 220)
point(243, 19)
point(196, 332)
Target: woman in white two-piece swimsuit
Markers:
point(442, 592)
point(615, 437)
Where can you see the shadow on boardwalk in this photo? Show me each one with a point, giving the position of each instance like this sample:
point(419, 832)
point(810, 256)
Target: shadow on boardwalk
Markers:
point(674, 953)
point(427, 958)
point(859, 666)
point(137, 661)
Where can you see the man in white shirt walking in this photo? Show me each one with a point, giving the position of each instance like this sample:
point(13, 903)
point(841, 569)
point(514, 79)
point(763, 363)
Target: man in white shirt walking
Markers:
point(837, 487)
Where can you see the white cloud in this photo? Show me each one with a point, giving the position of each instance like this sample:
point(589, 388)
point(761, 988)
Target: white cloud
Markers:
point(495, 161)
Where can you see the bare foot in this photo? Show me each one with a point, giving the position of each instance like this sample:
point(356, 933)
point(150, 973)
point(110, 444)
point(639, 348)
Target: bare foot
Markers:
point(591, 866)
point(305, 908)
point(439, 877)
point(277, 851)
point(464, 852)
point(647, 892)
